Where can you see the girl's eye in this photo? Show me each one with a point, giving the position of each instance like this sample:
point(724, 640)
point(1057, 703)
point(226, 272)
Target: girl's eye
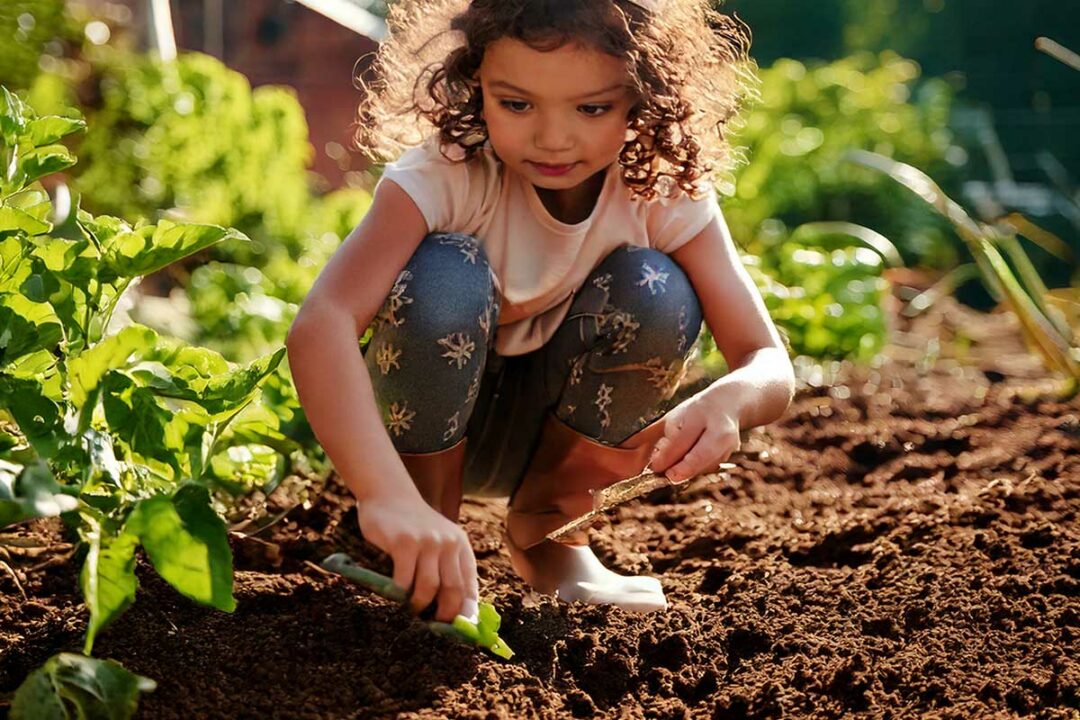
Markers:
point(512, 105)
point(600, 110)
point(516, 106)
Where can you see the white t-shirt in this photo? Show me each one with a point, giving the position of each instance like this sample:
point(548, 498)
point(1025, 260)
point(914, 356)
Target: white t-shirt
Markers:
point(539, 262)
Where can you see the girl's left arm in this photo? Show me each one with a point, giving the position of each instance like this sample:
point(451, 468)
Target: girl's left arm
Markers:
point(703, 431)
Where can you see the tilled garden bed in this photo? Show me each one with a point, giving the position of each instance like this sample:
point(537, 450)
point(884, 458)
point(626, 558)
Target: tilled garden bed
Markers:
point(905, 542)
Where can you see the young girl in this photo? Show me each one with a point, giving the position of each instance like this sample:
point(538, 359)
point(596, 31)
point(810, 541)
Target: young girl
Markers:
point(536, 272)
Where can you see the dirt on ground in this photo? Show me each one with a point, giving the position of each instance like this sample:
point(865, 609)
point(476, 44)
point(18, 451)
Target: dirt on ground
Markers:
point(903, 543)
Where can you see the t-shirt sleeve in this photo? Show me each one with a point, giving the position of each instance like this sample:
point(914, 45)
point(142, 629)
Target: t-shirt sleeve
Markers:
point(448, 193)
point(671, 223)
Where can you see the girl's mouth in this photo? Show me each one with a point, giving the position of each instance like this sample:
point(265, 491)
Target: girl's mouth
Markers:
point(553, 169)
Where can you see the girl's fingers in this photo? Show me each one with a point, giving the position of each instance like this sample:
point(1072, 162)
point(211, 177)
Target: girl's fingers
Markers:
point(469, 575)
point(704, 456)
point(426, 583)
point(404, 567)
point(451, 586)
point(676, 442)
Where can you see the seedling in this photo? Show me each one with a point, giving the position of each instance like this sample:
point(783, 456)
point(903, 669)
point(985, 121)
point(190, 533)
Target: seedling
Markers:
point(483, 633)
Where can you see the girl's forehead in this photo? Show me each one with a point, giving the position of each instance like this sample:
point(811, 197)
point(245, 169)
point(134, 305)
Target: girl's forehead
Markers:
point(566, 72)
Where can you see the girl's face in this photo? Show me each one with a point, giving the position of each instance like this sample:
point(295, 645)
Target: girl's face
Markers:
point(564, 107)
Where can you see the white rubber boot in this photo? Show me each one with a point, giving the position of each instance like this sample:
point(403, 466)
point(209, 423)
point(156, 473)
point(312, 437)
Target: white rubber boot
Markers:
point(574, 574)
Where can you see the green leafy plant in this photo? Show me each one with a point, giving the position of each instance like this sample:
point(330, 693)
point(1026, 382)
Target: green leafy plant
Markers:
point(801, 214)
point(71, 686)
point(826, 291)
point(823, 287)
point(27, 27)
point(117, 429)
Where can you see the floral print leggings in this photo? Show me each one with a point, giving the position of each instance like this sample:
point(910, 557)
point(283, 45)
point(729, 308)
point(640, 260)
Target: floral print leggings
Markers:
point(608, 370)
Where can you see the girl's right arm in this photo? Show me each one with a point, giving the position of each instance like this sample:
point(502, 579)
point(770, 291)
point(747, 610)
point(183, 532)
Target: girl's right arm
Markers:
point(431, 554)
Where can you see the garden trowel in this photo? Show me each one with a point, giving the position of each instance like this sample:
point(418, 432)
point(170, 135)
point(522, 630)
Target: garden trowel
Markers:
point(613, 495)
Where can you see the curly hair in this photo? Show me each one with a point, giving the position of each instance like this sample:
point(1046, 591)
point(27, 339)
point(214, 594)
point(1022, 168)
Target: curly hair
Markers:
point(688, 66)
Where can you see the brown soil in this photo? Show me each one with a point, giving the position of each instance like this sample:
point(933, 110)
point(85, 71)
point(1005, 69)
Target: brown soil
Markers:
point(905, 542)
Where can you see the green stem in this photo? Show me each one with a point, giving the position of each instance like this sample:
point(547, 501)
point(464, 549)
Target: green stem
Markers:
point(1035, 287)
point(1055, 349)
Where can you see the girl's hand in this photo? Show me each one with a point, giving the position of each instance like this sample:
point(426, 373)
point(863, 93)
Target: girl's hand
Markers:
point(699, 434)
point(432, 555)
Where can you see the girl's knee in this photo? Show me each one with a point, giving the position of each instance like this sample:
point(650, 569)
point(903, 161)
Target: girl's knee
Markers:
point(652, 286)
point(452, 258)
point(652, 294)
point(467, 248)
point(447, 285)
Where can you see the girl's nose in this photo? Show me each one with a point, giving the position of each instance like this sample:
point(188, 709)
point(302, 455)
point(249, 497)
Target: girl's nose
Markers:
point(553, 139)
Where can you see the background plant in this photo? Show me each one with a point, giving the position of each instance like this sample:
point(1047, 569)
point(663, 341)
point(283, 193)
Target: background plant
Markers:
point(1007, 272)
point(29, 28)
point(808, 118)
point(801, 213)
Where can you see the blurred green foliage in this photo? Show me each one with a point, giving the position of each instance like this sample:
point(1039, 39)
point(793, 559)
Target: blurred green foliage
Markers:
point(192, 136)
point(243, 311)
point(27, 29)
point(1014, 105)
point(829, 302)
point(825, 292)
point(796, 138)
point(192, 141)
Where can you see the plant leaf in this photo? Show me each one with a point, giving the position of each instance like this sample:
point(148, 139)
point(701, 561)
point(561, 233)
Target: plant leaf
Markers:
point(14, 220)
point(13, 114)
point(38, 699)
point(51, 128)
point(202, 376)
point(187, 543)
point(29, 492)
point(86, 370)
point(42, 161)
point(108, 578)
point(135, 416)
point(98, 690)
point(828, 233)
point(25, 327)
point(38, 415)
point(13, 253)
point(150, 248)
point(228, 393)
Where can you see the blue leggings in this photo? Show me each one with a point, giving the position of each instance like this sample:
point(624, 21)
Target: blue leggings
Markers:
point(609, 370)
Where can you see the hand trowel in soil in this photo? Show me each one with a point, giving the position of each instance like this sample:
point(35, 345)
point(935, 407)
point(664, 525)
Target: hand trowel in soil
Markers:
point(482, 632)
point(614, 495)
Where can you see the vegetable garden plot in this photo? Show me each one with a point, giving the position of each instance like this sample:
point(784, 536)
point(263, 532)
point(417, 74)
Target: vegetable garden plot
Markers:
point(910, 548)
